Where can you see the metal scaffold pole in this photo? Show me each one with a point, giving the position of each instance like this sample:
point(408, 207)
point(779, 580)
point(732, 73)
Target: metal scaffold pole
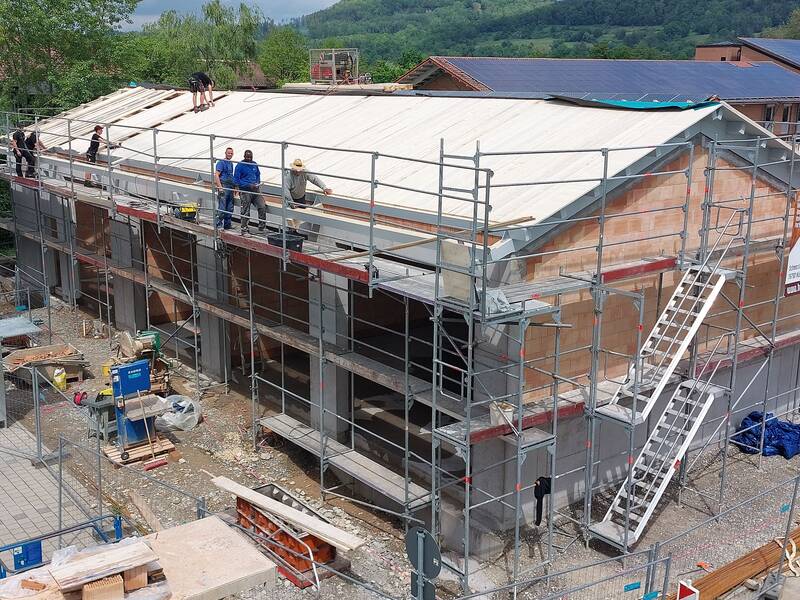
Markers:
point(598, 295)
point(252, 336)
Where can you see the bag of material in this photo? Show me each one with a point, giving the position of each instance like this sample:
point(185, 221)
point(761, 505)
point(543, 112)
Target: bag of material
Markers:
point(184, 414)
point(60, 379)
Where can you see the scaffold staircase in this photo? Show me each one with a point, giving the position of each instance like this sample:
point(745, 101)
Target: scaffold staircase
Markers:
point(660, 458)
point(666, 345)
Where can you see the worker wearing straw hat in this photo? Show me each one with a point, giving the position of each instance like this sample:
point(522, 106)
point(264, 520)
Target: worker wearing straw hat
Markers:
point(295, 193)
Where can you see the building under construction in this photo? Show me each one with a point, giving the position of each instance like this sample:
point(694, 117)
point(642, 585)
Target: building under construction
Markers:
point(498, 292)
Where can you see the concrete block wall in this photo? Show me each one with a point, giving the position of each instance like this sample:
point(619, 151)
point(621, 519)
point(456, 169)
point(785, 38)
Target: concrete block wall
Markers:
point(611, 443)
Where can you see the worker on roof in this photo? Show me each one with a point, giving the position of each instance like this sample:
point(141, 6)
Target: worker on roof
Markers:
point(296, 180)
point(20, 149)
point(91, 154)
point(199, 84)
point(34, 146)
point(247, 179)
point(223, 179)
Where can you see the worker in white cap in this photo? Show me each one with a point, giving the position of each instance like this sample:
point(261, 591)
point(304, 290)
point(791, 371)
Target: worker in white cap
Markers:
point(295, 193)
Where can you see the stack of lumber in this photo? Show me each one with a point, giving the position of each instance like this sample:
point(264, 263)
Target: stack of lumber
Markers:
point(107, 572)
point(135, 454)
point(47, 359)
point(343, 541)
point(735, 573)
point(201, 560)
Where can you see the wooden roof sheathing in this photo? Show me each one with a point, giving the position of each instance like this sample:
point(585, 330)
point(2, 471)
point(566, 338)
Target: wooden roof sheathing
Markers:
point(404, 126)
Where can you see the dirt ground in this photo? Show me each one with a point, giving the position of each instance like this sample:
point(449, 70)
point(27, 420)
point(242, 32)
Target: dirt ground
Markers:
point(222, 445)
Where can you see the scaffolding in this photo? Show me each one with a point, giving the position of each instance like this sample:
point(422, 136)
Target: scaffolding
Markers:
point(445, 341)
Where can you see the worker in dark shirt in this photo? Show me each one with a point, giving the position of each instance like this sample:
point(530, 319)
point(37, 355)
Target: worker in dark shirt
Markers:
point(200, 83)
point(247, 178)
point(21, 151)
point(91, 152)
point(33, 145)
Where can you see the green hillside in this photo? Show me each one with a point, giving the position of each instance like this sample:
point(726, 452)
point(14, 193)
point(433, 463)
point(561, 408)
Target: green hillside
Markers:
point(386, 29)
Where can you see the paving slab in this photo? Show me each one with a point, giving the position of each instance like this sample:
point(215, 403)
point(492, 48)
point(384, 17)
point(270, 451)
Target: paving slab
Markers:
point(29, 497)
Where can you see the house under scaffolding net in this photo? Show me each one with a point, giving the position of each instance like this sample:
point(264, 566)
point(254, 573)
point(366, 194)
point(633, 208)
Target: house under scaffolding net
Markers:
point(497, 292)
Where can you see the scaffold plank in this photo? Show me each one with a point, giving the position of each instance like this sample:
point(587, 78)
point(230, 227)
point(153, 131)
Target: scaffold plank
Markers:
point(351, 462)
point(748, 350)
point(322, 261)
point(482, 429)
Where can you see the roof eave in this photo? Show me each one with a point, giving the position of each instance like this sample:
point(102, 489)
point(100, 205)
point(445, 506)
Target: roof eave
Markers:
point(432, 64)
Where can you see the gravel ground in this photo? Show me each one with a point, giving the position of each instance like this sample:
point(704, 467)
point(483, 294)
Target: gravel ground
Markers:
point(221, 445)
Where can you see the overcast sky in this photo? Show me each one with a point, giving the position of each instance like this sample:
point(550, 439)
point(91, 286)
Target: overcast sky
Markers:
point(278, 10)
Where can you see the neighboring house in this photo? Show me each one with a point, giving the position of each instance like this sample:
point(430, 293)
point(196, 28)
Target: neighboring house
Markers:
point(785, 53)
point(251, 77)
point(763, 91)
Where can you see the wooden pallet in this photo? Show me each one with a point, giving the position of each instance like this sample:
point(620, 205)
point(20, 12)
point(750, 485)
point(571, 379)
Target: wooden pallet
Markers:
point(138, 453)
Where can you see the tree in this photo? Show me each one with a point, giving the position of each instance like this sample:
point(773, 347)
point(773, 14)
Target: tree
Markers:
point(42, 41)
point(283, 56)
point(790, 29)
point(386, 71)
point(222, 42)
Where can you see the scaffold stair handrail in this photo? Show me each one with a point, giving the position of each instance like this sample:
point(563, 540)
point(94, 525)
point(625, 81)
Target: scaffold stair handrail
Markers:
point(660, 457)
point(666, 345)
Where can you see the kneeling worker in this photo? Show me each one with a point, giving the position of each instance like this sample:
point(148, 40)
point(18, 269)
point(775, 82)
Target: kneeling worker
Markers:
point(200, 83)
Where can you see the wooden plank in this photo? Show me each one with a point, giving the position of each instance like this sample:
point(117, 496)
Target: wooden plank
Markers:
point(145, 510)
point(380, 478)
point(618, 272)
point(110, 560)
point(732, 575)
point(261, 245)
point(351, 462)
point(343, 541)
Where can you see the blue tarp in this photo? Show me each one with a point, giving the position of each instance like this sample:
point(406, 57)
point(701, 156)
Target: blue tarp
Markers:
point(635, 105)
point(780, 437)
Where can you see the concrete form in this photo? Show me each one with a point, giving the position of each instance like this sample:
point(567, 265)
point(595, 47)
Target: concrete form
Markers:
point(415, 307)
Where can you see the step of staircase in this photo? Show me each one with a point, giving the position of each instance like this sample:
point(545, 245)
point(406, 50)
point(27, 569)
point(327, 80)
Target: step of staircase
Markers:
point(613, 534)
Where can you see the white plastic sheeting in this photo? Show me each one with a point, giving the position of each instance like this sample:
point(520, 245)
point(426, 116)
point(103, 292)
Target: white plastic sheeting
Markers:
point(407, 126)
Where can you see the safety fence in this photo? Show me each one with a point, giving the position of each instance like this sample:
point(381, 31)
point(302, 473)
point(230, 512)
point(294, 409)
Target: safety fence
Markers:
point(765, 518)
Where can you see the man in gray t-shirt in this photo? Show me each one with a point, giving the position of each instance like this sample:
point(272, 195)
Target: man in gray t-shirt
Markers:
point(296, 180)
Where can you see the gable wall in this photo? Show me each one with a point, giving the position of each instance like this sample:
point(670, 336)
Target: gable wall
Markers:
point(620, 316)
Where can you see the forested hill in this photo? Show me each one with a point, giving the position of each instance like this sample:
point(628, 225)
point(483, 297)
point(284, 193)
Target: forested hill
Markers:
point(386, 29)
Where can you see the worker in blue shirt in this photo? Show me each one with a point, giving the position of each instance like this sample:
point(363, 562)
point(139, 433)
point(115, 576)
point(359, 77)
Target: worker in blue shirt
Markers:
point(247, 179)
point(223, 179)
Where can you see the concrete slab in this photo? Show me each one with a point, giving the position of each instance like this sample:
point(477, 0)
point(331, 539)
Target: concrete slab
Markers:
point(208, 560)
